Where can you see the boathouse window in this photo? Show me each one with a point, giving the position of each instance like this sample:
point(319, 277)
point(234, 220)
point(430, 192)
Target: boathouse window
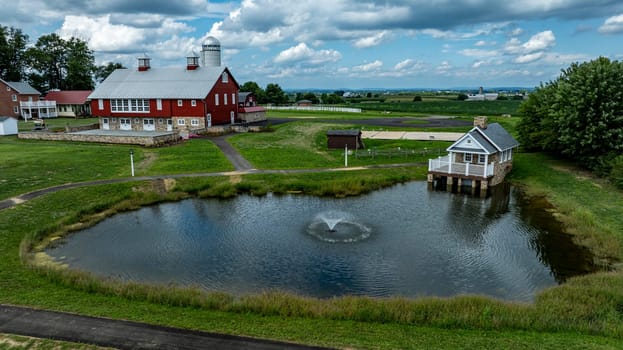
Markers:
point(467, 157)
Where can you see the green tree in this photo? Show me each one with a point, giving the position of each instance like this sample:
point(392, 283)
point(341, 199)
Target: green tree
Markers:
point(309, 96)
point(275, 95)
point(80, 66)
point(102, 72)
point(417, 98)
point(579, 115)
point(12, 51)
point(251, 86)
point(333, 99)
point(60, 64)
point(461, 97)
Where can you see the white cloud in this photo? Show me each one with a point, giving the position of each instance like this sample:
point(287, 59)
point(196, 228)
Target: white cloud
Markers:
point(480, 43)
point(367, 67)
point(101, 35)
point(479, 53)
point(531, 57)
point(612, 25)
point(538, 42)
point(302, 52)
point(373, 40)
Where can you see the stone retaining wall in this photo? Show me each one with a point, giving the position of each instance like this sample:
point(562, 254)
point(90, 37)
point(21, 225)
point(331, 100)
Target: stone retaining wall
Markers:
point(121, 139)
point(82, 127)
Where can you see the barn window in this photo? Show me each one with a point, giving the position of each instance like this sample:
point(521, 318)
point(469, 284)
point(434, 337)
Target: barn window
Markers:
point(180, 103)
point(225, 99)
point(233, 99)
point(14, 97)
point(15, 110)
point(100, 104)
point(194, 122)
point(216, 99)
point(159, 104)
point(193, 103)
point(8, 88)
point(224, 77)
point(181, 122)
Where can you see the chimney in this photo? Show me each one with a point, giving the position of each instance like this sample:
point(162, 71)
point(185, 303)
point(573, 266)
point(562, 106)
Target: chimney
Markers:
point(143, 63)
point(192, 61)
point(481, 122)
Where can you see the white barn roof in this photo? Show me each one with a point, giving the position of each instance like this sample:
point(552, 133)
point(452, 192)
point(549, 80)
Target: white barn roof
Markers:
point(170, 83)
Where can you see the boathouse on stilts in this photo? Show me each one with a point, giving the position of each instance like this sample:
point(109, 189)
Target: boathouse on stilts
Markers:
point(478, 160)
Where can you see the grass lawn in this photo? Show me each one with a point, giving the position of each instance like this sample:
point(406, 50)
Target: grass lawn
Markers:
point(299, 145)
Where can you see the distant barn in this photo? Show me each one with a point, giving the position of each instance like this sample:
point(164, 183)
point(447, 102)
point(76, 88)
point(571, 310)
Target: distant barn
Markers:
point(343, 138)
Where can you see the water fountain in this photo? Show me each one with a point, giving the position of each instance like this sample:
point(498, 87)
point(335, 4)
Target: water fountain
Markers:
point(338, 227)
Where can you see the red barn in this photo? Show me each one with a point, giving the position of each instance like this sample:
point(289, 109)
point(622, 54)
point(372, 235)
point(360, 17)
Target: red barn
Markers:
point(165, 99)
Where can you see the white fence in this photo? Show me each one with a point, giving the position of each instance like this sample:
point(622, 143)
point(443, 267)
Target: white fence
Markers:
point(315, 108)
point(445, 165)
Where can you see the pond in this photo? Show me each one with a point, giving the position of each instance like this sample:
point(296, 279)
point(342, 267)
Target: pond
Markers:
point(401, 241)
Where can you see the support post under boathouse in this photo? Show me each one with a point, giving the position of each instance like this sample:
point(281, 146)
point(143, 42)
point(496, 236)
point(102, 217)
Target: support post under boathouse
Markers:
point(478, 160)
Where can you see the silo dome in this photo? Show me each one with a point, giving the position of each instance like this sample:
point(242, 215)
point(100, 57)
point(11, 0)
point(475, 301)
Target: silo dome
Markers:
point(211, 52)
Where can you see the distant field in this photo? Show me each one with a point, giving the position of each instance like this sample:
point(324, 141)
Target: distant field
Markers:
point(447, 107)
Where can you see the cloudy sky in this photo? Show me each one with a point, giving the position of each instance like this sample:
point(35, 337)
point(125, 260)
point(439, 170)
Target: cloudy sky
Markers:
point(338, 44)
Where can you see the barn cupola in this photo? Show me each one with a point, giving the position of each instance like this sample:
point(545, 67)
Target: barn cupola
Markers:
point(143, 63)
point(192, 61)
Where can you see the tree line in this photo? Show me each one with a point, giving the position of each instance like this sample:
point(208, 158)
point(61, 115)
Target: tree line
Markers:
point(579, 115)
point(51, 63)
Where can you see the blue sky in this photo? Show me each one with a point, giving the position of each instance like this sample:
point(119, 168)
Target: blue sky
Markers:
point(343, 44)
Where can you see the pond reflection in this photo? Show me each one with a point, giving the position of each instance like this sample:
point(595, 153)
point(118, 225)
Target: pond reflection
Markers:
point(404, 240)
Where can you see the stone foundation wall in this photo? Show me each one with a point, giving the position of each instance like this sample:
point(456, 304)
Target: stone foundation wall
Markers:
point(129, 140)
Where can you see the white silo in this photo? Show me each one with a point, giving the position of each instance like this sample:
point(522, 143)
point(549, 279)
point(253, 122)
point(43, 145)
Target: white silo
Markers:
point(211, 52)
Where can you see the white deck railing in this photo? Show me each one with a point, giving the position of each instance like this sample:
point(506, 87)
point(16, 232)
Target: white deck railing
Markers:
point(44, 109)
point(444, 165)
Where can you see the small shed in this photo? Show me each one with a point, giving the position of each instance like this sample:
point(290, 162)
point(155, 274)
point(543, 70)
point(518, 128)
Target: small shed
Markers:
point(8, 126)
point(343, 138)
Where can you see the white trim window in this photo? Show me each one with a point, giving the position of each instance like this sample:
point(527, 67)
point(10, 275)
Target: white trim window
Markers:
point(194, 122)
point(225, 99)
point(180, 103)
point(482, 159)
point(193, 103)
point(233, 98)
point(181, 122)
point(224, 77)
point(159, 104)
point(100, 104)
point(467, 157)
point(16, 110)
point(216, 99)
point(129, 105)
point(14, 98)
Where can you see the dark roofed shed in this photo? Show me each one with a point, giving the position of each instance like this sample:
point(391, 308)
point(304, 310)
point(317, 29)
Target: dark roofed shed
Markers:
point(343, 138)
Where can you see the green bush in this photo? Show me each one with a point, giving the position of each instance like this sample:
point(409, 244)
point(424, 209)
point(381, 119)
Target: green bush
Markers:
point(616, 173)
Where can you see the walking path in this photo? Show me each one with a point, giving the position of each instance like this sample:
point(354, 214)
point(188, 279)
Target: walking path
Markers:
point(123, 334)
point(236, 159)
